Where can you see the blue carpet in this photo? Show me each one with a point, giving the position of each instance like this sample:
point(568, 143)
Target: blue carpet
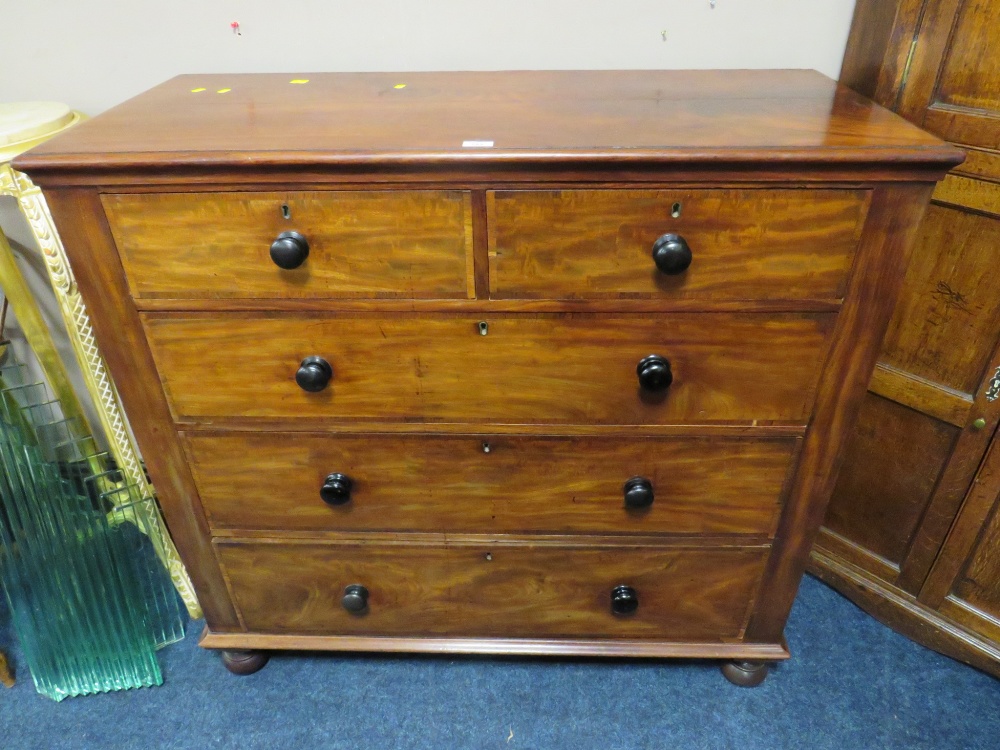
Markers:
point(851, 683)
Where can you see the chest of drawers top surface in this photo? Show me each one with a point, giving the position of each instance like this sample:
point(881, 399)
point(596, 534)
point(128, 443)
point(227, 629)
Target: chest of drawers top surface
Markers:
point(547, 362)
point(490, 118)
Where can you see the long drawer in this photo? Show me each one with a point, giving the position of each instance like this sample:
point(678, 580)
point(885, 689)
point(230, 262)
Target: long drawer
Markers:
point(491, 484)
point(749, 244)
point(582, 369)
point(492, 590)
point(378, 244)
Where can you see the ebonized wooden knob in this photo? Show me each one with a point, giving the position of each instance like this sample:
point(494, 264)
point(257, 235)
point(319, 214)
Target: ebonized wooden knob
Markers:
point(355, 598)
point(313, 374)
point(671, 254)
point(624, 600)
point(654, 373)
point(290, 250)
point(336, 490)
point(638, 493)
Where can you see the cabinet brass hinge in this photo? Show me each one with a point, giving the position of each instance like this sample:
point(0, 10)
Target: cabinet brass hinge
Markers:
point(993, 387)
point(909, 61)
point(910, 54)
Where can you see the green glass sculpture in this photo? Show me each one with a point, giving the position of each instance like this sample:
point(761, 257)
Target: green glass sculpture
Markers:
point(90, 602)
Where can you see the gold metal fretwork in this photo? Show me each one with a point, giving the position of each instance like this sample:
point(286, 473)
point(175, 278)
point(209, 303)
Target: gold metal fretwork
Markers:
point(74, 312)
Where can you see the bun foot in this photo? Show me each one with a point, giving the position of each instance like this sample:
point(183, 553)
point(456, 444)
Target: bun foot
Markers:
point(244, 662)
point(745, 673)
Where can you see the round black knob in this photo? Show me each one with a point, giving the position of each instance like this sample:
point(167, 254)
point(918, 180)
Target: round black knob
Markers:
point(290, 250)
point(355, 598)
point(624, 600)
point(313, 374)
point(671, 254)
point(336, 490)
point(638, 493)
point(654, 373)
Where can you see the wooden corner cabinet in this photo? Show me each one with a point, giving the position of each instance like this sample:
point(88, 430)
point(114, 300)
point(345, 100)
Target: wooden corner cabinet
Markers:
point(513, 363)
point(913, 531)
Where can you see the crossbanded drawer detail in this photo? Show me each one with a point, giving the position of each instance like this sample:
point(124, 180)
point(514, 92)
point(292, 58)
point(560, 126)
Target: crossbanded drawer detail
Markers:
point(374, 244)
point(490, 484)
point(492, 590)
point(749, 244)
point(580, 369)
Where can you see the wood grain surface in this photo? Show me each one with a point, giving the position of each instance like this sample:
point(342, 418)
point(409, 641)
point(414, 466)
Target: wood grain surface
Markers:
point(124, 348)
point(593, 647)
point(342, 120)
point(528, 369)
point(522, 484)
point(493, 590)
point(941, 403)
point(967, 570)
point(912, 534)
point(949, 295)
point(772, 336)
point(404, 243)
point(881, 496)
point(952, 87)
point(878, 47)
point(893, 221)
point(746, 244)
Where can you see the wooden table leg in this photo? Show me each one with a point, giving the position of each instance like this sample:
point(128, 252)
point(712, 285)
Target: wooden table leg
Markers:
point(6, 671)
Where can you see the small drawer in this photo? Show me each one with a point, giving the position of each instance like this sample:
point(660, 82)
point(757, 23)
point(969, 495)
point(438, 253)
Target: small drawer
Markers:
point(501, 590)
point(490, 484)
point(554, 369)
point(750, 244)
point(351, 244)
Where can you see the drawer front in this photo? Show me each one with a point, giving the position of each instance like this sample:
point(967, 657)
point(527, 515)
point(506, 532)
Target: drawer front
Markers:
point(745, 244)
point(481, 483)
point(360, 244)
point(493, 590)
point(578, 369)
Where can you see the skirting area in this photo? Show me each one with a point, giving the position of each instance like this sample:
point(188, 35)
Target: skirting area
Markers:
point(851, 684)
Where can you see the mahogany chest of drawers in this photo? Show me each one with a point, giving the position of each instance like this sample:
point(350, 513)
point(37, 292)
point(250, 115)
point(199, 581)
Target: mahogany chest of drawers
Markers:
point(536, 363)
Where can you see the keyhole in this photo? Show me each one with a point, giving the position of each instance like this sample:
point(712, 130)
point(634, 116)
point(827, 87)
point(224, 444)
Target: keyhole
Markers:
point(487, 447)
point(484, 328)
point(286, 211)
point(675, 211)
point(489, 557)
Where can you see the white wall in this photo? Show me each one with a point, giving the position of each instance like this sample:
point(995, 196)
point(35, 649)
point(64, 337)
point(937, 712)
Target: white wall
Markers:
point(92, 54)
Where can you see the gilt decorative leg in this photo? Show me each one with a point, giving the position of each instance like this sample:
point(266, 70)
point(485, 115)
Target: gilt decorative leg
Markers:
point(745, 673)
point(105, 395)
point(244, 662)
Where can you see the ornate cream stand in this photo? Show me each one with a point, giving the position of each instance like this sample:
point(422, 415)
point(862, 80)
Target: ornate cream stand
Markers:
point(23, 126)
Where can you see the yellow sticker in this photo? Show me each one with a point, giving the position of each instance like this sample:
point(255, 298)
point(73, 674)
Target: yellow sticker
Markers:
point(400, 86)
point(299, 80)
point(223, 91)
point(197, 91)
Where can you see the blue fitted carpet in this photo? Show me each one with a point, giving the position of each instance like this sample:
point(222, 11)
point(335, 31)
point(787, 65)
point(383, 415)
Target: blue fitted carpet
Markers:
point(852, 683)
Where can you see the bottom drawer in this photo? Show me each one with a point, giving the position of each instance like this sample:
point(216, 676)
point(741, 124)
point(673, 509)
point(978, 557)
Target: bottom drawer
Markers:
point(501, 590)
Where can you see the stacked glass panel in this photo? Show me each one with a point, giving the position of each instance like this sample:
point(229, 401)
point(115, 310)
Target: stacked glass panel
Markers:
point(90, 601)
